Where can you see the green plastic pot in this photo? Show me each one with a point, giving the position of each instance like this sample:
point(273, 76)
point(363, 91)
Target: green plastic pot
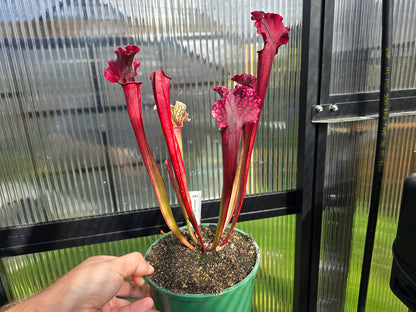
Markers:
point(236, 298)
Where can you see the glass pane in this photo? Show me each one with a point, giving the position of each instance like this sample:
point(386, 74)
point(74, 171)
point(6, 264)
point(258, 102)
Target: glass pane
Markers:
point(348, 177)
point(273, 291)
point(67, 147)
point(357, 42)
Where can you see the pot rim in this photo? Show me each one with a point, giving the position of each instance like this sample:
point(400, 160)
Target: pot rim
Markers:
point(225, 291)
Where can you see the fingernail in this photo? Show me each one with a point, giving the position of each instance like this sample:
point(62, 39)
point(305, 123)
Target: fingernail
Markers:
point(150, 266)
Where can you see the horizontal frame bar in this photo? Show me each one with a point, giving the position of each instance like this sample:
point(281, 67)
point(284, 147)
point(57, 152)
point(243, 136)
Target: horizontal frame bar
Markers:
point(105, 228)
point(348, 107)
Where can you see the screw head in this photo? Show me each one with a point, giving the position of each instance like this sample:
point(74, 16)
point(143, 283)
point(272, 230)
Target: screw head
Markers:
point(318, 108)
point(333, 107)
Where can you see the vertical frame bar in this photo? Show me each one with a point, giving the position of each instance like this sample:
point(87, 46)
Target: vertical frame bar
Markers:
point(3, 297)
point(318, 204)
point(309, 184)
point(327, 39)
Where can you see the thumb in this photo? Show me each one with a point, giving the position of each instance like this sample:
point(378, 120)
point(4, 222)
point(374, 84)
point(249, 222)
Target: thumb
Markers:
point(132, 265)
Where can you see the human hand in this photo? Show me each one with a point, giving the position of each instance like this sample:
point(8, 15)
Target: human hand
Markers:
point(98, 284)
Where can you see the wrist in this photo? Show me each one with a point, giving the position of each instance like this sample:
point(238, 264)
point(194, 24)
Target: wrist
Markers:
point(47, 301)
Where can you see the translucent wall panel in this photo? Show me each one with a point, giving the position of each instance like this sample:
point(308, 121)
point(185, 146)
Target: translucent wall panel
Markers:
point(25, 275)
point(273, 286)
point(356, 46)
point(66, 144)
point(348, 177)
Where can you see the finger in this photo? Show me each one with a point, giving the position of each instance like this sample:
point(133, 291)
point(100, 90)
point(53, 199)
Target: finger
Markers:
point(131, 265)
point(130, 290)
point(142, 305)
point(138, 280)
point(114, 304)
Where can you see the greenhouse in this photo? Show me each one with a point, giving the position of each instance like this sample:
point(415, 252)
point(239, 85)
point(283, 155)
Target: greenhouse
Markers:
point(299, 137)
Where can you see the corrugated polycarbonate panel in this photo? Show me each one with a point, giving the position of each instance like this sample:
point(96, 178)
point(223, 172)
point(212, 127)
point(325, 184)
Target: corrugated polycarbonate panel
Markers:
point(273, 290)
point(25, 275)
point(344, 148)
point(348, 178)
point(355, 65)
point(66, 143)
point(400, 162)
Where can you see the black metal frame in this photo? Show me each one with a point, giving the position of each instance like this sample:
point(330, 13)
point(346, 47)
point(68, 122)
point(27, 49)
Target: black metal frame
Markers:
point(3, 296)
point(308, 219)
point(355, 106)
point(306, 201)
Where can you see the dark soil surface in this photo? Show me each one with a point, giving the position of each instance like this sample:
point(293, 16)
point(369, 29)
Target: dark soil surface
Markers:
point(182, 270)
